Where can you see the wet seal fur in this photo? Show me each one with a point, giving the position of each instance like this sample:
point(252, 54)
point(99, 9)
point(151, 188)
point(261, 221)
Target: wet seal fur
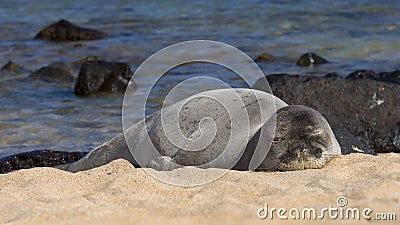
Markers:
point(303, 138)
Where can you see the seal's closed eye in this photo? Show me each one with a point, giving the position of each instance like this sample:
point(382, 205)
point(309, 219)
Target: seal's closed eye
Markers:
point(313, 131)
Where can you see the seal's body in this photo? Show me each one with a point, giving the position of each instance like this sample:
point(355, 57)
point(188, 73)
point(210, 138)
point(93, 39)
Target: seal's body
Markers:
point(242, 129)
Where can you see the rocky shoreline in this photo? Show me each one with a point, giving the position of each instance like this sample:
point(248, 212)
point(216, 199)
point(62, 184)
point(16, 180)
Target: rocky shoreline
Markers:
point(363, 107)
point(363, 110)
point(365, 103)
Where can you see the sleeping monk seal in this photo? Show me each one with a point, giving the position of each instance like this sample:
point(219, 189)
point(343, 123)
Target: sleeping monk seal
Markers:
point(242, 129)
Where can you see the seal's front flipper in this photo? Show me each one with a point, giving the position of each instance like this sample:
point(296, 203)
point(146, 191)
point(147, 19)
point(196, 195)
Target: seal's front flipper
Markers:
point(163, 163)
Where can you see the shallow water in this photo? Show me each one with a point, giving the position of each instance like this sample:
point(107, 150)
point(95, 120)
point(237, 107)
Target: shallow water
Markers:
point(352, 35)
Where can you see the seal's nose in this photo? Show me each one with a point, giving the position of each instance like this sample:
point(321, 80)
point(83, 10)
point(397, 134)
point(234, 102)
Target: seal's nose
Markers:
point(301, 153)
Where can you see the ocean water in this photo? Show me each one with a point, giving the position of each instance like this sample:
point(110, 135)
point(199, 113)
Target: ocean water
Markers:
point(352, 35)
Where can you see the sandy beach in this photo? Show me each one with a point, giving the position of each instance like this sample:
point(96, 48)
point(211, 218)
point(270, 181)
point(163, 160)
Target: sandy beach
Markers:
point(73, 75)
point(118, 193)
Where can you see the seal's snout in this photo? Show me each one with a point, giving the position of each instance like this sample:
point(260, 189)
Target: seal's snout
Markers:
point(307, 154)
point(302, 153)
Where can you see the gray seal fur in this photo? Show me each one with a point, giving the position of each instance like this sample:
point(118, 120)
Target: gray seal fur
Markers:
point(303, 138)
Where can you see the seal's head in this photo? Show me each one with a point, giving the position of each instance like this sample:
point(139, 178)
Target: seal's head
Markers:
point(303, 140)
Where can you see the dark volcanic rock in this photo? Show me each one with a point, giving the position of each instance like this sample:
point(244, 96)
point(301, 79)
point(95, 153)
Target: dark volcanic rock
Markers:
point(363, 74)
point(265, 57)
point(63, 30)
point(367, 108)
point(332, 75)
point(60, 65)
point(350, 143)
point(39, 158)
point(310, 59)
point(390, 77)
point(102, 76)
point(53, 74)
point(393, 76)
point(11, 66)
point(80, 62)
